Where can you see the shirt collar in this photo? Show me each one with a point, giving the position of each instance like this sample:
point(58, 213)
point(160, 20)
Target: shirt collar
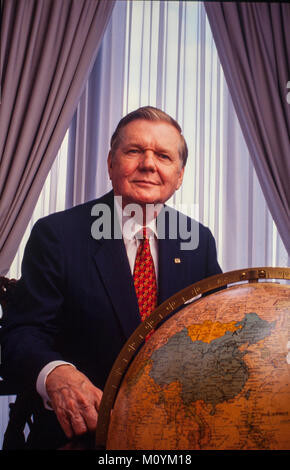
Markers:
point(130, 226)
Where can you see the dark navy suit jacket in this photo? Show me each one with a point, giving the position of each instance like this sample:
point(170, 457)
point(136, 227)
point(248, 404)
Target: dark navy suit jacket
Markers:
point(76, 299)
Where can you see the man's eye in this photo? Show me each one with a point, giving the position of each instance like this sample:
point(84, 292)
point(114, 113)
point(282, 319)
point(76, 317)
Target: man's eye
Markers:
point(133, 151)
point(164, 156)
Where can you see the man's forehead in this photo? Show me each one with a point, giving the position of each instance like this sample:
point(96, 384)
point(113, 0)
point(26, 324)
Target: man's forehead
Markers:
point(145, 129)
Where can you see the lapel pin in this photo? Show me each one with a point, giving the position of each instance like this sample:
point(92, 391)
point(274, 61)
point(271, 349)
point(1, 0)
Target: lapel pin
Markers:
point(177, 260)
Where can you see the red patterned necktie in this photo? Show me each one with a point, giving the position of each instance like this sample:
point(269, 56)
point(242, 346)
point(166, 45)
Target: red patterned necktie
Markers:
point(145, 278)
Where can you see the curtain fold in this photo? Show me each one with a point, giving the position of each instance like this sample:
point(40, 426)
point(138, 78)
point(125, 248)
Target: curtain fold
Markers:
point(96, 117)
point(48, 48)
point(254, 50)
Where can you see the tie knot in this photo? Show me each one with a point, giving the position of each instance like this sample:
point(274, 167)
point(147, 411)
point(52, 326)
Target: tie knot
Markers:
point(142, 234)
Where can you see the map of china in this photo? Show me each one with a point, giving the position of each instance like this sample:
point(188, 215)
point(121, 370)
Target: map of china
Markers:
point(210, 371)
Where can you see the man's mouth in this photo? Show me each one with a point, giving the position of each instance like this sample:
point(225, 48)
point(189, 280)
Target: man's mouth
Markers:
point(145, 182)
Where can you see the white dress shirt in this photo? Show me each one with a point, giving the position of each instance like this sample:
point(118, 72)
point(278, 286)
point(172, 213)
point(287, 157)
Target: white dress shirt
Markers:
point(131, 230)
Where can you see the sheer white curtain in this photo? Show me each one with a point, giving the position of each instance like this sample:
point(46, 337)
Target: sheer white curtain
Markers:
point(163, 54)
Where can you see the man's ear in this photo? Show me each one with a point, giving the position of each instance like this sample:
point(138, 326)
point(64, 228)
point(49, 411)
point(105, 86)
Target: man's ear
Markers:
point(180, 178)
point(109, 163)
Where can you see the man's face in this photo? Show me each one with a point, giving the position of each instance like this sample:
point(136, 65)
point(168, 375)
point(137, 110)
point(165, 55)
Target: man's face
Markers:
point(146, 168)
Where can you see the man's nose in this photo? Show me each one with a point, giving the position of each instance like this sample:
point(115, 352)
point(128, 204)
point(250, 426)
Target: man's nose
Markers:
point(148, 160)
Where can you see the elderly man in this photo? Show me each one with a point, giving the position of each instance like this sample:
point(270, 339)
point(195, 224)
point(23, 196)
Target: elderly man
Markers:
point(81, 296)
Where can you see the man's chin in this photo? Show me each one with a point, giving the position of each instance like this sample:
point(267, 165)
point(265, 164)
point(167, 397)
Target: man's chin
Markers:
point(142, 199)
point(147, 203)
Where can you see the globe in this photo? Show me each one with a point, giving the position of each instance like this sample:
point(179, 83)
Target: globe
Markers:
point(214, 376)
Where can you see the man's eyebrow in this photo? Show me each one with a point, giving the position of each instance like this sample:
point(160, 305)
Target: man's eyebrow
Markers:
point(141, 145)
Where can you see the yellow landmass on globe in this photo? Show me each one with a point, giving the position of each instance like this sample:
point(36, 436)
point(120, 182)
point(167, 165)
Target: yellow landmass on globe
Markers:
point(208, 330)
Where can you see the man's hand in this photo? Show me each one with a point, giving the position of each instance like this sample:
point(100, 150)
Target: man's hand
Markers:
point(74, 399)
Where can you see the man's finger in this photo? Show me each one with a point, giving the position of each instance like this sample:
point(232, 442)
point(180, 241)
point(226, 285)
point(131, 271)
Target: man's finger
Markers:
point(78, 424)
point(65, 423)
point(90, 416)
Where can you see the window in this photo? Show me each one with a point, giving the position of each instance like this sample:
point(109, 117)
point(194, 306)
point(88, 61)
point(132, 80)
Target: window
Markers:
point(169, 60)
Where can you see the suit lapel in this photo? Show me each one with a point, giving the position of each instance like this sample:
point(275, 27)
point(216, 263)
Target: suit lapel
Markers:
point(112, 263)
point(170, 278)
point(170, 259)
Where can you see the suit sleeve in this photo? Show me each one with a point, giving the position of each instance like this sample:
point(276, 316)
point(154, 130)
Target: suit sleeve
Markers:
point(213, 266)
point(31, 320)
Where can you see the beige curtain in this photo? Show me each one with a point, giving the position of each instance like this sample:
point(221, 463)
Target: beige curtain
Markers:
point(252, 40)
point(48, 48)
